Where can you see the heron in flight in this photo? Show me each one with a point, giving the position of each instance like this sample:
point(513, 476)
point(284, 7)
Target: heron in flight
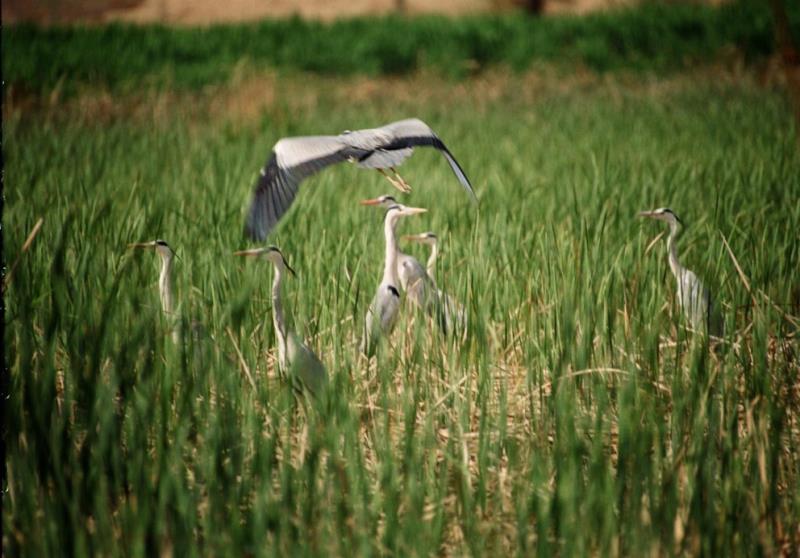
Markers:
point(693, 297)
point(382, 312)
point(165, 291)
point(296, 360)
point(455, 314)
point(294, 159)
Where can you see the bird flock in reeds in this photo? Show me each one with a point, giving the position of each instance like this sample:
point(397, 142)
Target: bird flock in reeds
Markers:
point(405, 284)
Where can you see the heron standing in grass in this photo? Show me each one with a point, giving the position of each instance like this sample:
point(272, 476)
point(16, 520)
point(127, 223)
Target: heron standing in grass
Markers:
point(165, 291)
point(296, 360)
point(294, 159)
point(414, 279)
point(383, 310)
point(431, 240)
point(455, 314)
point(693, 297)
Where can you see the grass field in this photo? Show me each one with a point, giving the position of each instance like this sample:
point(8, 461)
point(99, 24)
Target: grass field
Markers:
point(653, 36)
point(579, 417)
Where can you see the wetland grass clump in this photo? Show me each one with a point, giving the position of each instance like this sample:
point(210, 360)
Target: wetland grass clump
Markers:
point(578, 417)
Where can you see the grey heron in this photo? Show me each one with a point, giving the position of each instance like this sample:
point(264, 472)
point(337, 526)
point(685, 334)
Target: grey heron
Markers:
point(693, 297)
point(455, 314)
point(431, 240)
point(414, 280)
point(383, 310)
point(165, 291)
point(295, 359)
point(294, 159)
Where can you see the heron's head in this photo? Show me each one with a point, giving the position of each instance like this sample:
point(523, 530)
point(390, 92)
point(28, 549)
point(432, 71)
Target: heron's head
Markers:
point(159, 245)
point(397, 211)
point(270, 253)
point(394, 210)
point(662, 214)
point(423, 238)
point(385, 201)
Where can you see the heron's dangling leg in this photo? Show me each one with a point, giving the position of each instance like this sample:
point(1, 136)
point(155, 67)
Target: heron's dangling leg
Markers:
point(399, 184)
point(402, 182)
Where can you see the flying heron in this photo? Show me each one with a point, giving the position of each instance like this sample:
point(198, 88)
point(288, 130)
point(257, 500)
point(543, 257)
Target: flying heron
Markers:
point(455, 314)
point(382, 312)
point(693, 297)
point(295, 359)
point(294, 159)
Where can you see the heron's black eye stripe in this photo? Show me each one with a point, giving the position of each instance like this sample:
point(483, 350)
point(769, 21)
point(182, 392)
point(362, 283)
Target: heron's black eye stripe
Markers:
point(394, 291)
point(161, 243)
point(668, 210)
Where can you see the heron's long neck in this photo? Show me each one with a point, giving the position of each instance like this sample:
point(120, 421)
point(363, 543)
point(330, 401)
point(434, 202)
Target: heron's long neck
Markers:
point(431, 265)
point(390, 263)
point(277, 307)
point(674, 264)
point(165, 285)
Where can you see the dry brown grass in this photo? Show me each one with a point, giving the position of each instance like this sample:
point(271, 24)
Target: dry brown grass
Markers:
point(249, 93)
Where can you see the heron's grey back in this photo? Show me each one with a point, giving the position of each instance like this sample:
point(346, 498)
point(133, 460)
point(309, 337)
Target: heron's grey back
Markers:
point(306, 366)
point(369, 139)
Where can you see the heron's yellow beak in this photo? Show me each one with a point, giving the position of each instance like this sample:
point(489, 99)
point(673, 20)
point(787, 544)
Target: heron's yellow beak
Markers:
point(646, 214)
point(376, 201)
point(142, 244)
point(249, 253)
point(414, 237)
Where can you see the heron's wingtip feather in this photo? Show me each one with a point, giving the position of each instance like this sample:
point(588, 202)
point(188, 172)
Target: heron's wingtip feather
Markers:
point(253, 233)
point(257, 225)
point(459, 172)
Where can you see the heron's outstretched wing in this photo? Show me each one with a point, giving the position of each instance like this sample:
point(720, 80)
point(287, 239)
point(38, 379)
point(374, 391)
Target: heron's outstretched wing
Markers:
point(413, 132)
point(410, 127)
point(292, 160)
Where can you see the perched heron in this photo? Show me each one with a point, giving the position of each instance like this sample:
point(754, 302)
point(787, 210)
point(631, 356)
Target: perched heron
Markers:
point(693, 297)
point(295, 359)
point(455, 314)
point(382, 312)
point(294, 159)
point(167, 255)
point(414, 280)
